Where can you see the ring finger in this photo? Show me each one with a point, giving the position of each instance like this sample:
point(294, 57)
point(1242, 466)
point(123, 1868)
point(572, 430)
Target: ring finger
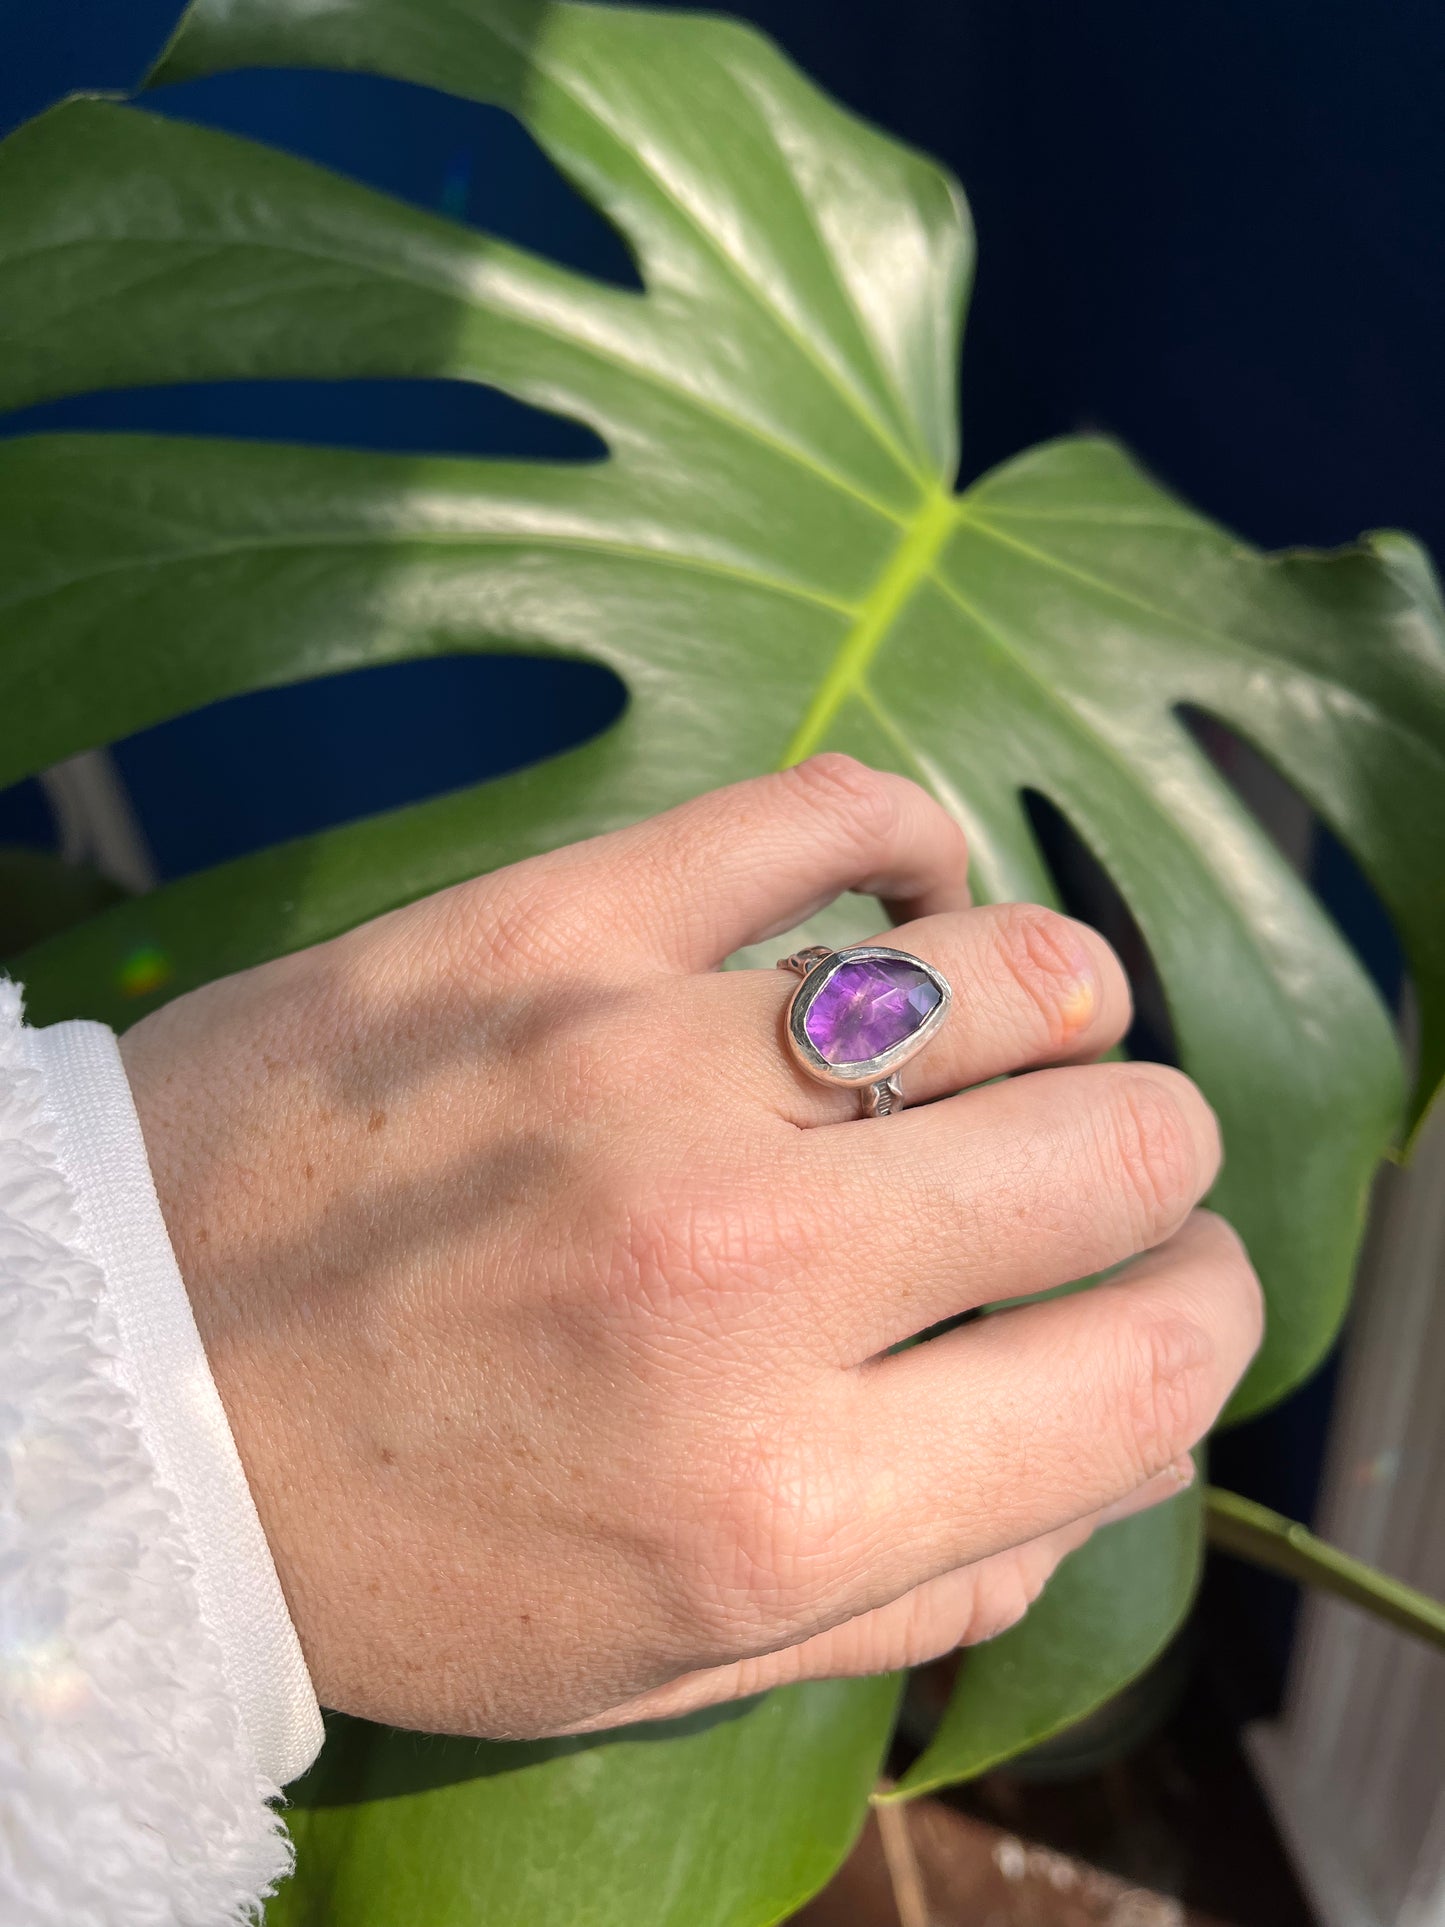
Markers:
point(1031, 987)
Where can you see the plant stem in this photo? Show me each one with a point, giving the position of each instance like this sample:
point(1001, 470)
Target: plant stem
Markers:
point(905, 1876)
point(1268, 1539)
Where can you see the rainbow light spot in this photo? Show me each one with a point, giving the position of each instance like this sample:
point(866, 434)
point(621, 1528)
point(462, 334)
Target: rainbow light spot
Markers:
point(144, 971)
point(1383, 1469)
point(1078, 1007)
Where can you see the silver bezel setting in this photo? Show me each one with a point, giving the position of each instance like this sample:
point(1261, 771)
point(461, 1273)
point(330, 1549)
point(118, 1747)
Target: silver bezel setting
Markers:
point(875, 1069)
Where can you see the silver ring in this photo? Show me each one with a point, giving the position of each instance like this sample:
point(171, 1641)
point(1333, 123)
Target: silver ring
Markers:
point(859, 1015)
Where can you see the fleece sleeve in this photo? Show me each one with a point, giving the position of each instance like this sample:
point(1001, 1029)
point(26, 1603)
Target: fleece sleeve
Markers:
point(153, 1694)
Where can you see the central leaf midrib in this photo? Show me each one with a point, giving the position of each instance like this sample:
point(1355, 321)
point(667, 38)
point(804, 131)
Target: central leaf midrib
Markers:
point(911, 562)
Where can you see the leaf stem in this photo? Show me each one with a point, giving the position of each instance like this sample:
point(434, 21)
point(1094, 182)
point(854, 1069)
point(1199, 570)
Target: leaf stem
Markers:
point(900, 1857)
point(1264, 1538)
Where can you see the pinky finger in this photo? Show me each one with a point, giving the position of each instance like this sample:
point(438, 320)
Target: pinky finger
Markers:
point(959, 1608)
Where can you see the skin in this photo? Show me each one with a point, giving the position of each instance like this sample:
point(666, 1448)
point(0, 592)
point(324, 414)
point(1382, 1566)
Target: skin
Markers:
point(549, 1302)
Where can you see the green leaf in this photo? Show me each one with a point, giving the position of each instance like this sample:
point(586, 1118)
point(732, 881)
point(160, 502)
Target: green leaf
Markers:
point(41, 894)
point(723, 1819)
point(1124, 1593)
point(770, 557)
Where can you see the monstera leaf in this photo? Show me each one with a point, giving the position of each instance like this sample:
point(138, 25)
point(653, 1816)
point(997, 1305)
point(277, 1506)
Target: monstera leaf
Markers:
point(773, 559)
point(730, 1816)
point(1124, 1592)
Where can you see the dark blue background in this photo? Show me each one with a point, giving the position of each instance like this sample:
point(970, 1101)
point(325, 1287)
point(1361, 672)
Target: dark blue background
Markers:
point(1216, 231)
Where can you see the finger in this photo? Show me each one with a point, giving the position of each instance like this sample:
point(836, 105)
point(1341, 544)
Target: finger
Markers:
point(1010, 1427)
point(960, 1608)
point(1000, 1192)
point(689, 887)
point(954, 1609)
point(1168, 1484)
point(1030, 987)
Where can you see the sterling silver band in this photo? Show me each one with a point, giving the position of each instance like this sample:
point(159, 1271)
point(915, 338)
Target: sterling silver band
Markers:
point(875, 1078)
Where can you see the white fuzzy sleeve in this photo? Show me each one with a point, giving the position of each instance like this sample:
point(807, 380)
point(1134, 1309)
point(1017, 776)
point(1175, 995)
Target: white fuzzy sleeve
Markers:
point(153, 1697)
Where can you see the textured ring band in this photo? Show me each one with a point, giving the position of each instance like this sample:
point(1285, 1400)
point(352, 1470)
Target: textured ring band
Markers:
point(859, 1014)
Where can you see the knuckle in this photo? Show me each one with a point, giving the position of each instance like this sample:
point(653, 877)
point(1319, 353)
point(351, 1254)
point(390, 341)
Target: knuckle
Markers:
point(575, 1054)
point(1168, 1404)
point(1154, 1146)
point(696, 1257)
point(524, 926)
point(1232, 1263)
point(657, 1248)
point(864, 801)
point(1005, 1591)
point(668, 1245)
point(774, 1532)
point(928, 1626)
point(1044, 957)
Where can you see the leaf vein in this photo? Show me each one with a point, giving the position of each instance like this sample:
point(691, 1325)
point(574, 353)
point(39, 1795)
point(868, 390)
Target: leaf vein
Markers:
point(438, 537)
point(641, 371)
point(1219, 638)
point(757, 294)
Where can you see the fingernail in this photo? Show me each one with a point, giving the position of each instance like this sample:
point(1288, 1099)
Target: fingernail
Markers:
point(1168, 1484)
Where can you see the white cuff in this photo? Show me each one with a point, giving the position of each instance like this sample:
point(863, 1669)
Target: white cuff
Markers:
point(178, 1408)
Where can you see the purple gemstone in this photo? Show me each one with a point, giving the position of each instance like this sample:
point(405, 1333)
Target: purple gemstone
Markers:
point(867, 1007)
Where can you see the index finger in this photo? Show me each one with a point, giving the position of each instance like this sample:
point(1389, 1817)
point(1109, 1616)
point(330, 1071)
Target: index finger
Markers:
point(745, 863)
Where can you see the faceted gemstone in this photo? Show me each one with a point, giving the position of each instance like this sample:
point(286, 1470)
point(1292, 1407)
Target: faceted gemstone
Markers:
point(868, 1006)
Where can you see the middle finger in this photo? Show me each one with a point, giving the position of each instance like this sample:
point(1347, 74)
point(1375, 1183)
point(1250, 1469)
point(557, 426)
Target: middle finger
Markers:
point(996, 1193)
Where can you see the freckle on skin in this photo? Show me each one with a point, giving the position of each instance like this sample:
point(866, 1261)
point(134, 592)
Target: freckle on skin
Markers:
point(308, 1171)
point(388, 1457)
point(376, 1120)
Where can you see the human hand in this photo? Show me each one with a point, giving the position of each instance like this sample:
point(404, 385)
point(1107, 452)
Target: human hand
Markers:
point(550, 1303)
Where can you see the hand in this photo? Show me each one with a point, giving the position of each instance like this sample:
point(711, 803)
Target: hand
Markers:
point(551, 1305)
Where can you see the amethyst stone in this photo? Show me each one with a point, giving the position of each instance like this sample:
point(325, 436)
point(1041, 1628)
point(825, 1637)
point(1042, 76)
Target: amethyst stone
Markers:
point(869, 1006)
